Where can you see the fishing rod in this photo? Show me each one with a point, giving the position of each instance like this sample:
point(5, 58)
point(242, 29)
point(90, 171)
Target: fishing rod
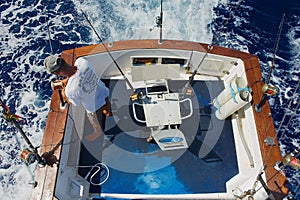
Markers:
point(29, 155)
point(210, 47)
point(63, 103)
point(267, 89)
point(158, 23)
point(126, 79)
point(275, 49)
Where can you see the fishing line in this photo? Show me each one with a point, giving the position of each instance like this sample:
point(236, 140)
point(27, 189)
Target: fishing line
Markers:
point(275, 49)
point(253, 191)
point(285, 114)
point(294, 112)
point(126, 79)
point(49, 35)
point(68, 143)
point(276, 173)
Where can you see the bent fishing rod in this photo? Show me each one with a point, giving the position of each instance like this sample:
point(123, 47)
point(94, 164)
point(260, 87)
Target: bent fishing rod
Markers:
point(31, 154)
point(117, 65)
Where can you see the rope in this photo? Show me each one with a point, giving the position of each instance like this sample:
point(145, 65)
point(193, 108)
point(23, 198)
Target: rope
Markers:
point(99, 166)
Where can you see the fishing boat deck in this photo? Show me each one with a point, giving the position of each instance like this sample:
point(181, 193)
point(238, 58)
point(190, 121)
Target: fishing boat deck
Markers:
point(71, 150)
point(143, 168)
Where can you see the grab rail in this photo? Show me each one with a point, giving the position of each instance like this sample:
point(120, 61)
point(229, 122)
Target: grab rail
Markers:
point(134, 113)
point(191, 107)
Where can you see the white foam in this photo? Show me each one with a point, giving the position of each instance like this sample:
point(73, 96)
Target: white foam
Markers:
point(183, 20)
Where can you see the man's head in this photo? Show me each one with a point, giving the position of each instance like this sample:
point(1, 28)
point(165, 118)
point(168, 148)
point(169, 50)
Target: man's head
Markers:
point(52, 63)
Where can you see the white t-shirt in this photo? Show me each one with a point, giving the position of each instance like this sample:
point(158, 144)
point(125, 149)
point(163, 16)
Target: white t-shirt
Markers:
point(85, 87)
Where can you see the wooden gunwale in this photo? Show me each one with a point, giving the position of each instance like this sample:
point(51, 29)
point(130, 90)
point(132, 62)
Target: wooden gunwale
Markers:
point(46, 177)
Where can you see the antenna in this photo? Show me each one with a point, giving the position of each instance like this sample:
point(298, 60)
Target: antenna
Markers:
point(269, 90)
point(158, 23)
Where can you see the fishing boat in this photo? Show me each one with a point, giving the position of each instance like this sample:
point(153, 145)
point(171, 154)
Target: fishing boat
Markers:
point(188, 123)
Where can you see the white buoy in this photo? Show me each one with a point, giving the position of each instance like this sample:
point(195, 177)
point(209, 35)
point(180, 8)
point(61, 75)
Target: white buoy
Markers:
point(234, 104)
point(233, 88)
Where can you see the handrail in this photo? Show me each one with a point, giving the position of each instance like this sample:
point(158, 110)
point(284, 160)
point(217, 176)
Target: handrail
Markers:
point(191, 108)
point(134, 113)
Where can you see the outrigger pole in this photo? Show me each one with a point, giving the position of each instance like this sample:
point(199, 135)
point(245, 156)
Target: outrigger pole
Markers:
point(267, 89)
point(126, 79)
point(30, 155)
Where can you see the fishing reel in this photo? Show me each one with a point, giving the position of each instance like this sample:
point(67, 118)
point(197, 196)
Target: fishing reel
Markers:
point(158, 21)
point(292, 161)
point(288, 160)
point(187, 90)
point(28, 155)
point(269, 90)
point(137, 96)
point(57, 85)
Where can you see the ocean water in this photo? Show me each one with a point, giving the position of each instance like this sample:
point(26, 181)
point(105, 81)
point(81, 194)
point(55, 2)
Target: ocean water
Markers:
point(25, 85)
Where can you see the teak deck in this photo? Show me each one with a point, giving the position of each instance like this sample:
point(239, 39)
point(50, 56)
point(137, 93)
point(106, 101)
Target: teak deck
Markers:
point(54, 131)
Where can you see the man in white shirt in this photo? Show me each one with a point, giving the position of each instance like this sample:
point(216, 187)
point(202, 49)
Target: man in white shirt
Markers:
point(82, 85)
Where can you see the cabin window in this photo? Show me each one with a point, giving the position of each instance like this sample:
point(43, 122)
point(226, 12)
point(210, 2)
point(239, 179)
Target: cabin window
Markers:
point(179, 61)
point(144, 61)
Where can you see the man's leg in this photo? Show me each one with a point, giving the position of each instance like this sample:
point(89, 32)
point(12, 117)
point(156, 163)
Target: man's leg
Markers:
point(106, 109)
point(95, 119)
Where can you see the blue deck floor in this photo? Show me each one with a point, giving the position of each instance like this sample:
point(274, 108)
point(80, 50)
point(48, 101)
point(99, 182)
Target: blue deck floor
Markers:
point(139, 167)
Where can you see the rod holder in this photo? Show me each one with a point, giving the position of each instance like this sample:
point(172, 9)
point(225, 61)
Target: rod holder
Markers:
point(267, 90)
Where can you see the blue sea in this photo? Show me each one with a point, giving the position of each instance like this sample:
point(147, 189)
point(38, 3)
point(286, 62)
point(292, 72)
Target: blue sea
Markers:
point(252, 27)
